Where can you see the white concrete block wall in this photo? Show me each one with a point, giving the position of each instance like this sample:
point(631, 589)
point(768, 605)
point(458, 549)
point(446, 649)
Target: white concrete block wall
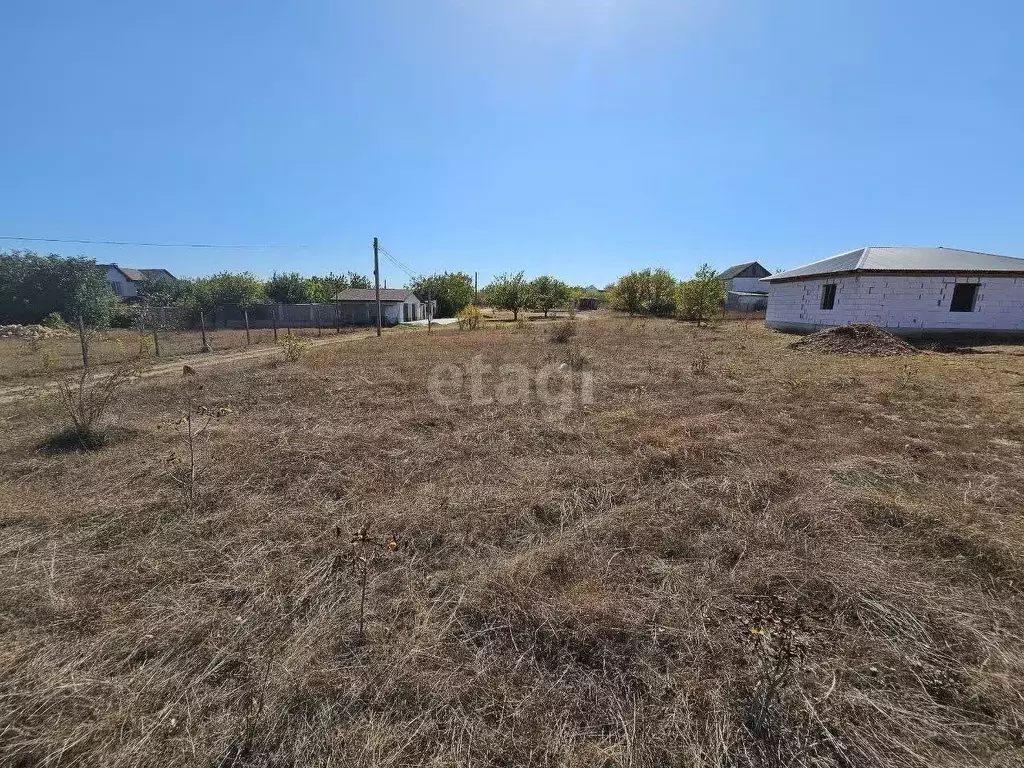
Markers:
point(899, 302)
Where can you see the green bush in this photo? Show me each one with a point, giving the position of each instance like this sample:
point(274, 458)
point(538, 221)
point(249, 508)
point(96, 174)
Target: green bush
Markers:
point(294, 347)
point(33, 287)
point(55, 321)
point(123, 317)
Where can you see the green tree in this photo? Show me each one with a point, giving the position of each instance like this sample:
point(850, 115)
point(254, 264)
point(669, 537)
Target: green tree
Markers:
point(508, 291)
point(228, 288)
point(330, 285)
point(547, 293)
point(629, 294)
point(646, 291)
point(661, 292)
point(451, 290)
point(355, 280)
point(700, 297)
point(164, 291)
point(319, 292)
point(34, 286)
point(287, 288)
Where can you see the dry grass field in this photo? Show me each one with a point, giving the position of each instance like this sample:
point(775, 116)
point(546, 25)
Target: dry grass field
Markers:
point(24, 359)
point(736, 554)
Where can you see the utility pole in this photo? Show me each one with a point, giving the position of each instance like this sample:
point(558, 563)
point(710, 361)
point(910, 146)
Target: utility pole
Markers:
point(376, 281)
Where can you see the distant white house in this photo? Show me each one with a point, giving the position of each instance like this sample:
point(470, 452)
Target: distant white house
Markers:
point(358, 306)
point(909, 291)
point(743, 287)
point(124, 281)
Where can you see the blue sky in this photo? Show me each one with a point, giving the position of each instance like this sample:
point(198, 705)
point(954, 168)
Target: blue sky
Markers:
point(581, 138)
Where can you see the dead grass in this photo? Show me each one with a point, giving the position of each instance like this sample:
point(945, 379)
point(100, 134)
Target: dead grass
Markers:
point(29, 359)
point(787, 560)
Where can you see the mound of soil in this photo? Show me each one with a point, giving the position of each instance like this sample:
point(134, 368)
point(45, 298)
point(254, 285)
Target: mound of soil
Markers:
point(856, 339)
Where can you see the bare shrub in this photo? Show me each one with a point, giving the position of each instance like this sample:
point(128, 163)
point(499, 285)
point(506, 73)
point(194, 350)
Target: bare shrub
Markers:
point(576, 357)
point(85, 399)
point(563, 331)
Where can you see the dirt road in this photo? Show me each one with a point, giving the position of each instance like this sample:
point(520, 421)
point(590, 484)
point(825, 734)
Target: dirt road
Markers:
point(197, 361)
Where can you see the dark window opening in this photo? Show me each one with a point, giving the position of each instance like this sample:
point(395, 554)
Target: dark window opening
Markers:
point(828, 296)
point(964, 296)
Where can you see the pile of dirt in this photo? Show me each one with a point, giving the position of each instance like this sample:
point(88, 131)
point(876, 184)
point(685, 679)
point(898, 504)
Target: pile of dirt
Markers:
point(856, 339)
point(32, 332)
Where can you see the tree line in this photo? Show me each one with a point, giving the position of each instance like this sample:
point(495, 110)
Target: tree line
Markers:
point(657, 292)
point(34, 287)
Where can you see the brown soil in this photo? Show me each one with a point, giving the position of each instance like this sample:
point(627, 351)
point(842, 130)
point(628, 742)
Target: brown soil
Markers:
point(857, 339)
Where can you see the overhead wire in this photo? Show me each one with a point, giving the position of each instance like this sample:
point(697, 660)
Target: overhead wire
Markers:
point(135, 244)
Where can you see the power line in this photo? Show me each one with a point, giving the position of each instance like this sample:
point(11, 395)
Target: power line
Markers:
point(402, 266)
point(147, 245)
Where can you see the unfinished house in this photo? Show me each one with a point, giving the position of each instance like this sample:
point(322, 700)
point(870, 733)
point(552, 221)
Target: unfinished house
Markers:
point(911, 291)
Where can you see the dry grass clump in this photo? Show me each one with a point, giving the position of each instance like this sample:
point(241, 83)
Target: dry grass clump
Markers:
point(563, 331)
point(784, 561)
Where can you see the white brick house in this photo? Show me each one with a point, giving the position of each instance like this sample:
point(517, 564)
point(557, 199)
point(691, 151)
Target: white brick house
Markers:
point(909, 291)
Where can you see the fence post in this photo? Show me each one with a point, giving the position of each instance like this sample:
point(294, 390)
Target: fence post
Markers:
point(202, 330)
point(84, 341)
point(156, 342)
point(245, 312)
point(275, 325)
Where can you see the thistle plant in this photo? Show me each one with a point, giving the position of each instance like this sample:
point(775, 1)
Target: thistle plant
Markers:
point(185, 461)
point(363, 554)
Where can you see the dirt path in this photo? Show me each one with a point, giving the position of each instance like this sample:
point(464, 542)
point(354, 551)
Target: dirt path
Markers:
point(197, 361)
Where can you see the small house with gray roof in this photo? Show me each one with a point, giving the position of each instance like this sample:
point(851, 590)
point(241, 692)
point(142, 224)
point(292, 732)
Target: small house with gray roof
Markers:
point(911, 291)
point(358, 306)
point(125, 281)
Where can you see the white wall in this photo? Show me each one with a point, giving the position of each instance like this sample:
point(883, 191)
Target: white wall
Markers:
point(903, 303)
point(747, 285)
point(121, 285)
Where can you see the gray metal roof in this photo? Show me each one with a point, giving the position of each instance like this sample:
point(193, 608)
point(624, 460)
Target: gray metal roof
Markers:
point(903, 259)
point(140, 275)
point(732, 272)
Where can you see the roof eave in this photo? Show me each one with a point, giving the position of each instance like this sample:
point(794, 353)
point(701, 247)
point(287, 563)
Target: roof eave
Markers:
point(782, 278)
